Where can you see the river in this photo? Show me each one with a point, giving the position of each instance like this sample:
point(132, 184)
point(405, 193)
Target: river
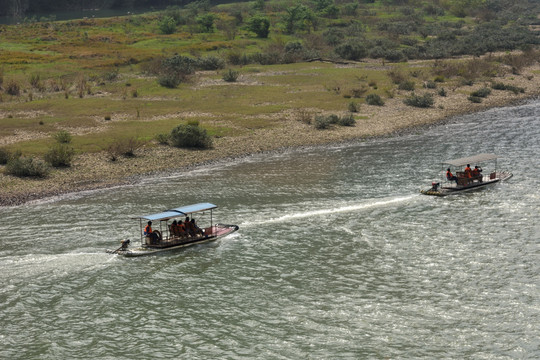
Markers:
point(338, 256)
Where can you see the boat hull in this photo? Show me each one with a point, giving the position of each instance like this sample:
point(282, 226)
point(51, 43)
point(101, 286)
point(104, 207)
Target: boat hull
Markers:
point(444, 191)
point(220, 231)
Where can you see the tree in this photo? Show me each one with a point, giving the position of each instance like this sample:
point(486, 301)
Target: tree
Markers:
point(206, 21)
point(167, 25)
point(260, 25)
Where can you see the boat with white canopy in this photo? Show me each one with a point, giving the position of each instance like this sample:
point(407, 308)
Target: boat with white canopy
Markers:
point(467, 178)
point(175, 229)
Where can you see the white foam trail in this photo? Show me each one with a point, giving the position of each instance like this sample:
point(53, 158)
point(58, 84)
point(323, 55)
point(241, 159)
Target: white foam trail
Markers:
point(336, 210)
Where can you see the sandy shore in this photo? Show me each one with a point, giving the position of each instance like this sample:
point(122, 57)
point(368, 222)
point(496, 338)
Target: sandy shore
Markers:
point(96, 171)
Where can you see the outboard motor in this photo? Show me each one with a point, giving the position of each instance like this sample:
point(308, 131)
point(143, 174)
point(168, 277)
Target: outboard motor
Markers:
point(435, 186)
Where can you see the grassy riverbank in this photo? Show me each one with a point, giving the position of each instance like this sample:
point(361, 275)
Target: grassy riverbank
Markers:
point(260, 131)
point(91, 79)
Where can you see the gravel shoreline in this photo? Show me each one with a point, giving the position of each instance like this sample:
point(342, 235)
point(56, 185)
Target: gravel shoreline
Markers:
point(96, 171)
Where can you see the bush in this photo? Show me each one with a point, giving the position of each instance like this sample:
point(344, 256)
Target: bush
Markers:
point(13, 88)
point(163, 138)
point(210, 63)
point(351, 50)
point(442, 92)
point(5, 155)
point(172, 71)
point(190, 136)
point(430, 84)
point(406, 85)
point(124, 147)
point(62, 137)
point(475, 99)
point(353, 107)
point(230, 75)
point(422, 101)
point(322, 122)
point(502, 86)
point(59, 155)
point(347, 120)
point(27, 167)
point(483, 92)
point(374, 99)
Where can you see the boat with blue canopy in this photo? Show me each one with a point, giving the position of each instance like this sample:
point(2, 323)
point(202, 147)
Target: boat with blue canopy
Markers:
point(175, 228)
point(458, 176)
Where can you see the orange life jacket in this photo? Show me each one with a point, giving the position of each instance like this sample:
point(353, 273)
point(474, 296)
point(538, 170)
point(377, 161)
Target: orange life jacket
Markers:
point(468, 171)
point(147, 230)
point(449, 175)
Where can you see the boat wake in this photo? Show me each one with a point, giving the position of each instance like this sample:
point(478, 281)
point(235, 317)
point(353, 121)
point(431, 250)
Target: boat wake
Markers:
point(372, 203)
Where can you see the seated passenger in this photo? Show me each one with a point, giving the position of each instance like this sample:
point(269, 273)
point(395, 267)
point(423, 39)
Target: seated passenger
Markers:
point(450, 176)
point(173, 229)
point(181, 228)
point(197, 230)
point(149, 233)
point(477, 173)
point(190, 230)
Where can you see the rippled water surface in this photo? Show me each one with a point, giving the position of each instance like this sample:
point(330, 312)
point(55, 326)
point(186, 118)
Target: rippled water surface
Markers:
point(337, 256)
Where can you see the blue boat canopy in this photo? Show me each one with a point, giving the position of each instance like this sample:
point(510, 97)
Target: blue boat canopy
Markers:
point(180, 211)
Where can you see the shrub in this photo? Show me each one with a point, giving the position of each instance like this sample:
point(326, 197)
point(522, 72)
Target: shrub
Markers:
point(163, 138)
point(111, 75)
point(5, 155)
point(210, 63)
point(483, 92)
point(396, 76)
point(374, 99)
point(502, 86)
point(190, 136)
point(430, 84)
point(124, 147)
point(353, 107)
point(62, 137)
point(475, 99)
point(59, 155)
point(322, 122)
point(351, 50)
point(406, 85)
point(107, 117)
point(439, 78)
point(347, 120)
point(169, 81)
point(13, 88)
point(422, 101)
point(27, 167)
point(442, 92)
point(172, 71)
point(230, 75)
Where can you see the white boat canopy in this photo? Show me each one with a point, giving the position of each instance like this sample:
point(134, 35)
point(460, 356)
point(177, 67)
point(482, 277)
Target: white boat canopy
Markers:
point(471, 159)
point(180, 211)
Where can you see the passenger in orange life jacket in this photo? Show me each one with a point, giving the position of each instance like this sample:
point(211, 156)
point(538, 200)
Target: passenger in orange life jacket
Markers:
point(450, 176)
point(148, 232)
point(181, 229)
point(467, 171)
point(477, 173)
